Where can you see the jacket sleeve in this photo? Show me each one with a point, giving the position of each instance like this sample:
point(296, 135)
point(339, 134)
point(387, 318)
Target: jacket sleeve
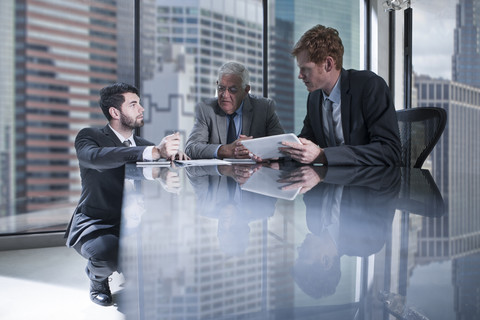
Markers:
point(198, 144)
point(92, 153)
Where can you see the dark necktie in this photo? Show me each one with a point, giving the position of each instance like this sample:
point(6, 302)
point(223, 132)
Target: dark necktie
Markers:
point(232, 131)
point(127, 143)
point(232, 187)
point(331, 129)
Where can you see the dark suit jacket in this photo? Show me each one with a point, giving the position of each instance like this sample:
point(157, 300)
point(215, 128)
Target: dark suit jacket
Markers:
point(369, 122)
point(367, 207)
point(102, 159)
point(210, 130)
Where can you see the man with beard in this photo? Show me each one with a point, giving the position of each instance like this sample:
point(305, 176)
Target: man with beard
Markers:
point(102, 154)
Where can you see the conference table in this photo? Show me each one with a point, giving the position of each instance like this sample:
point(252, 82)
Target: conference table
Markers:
point(287, 241)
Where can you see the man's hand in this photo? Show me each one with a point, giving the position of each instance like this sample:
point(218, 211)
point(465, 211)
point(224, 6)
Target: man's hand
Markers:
point(235, 149)
point(305, 177)
point(240, 173)
point(181, 156)
point(305, 152)
point(169, 179)
point(167, 148)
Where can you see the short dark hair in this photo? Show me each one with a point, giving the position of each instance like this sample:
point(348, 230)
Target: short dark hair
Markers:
point(112, 96)
point(315, 280)
point(320, 42)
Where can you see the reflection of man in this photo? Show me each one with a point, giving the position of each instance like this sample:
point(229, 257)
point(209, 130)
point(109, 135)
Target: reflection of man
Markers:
point(220, 197)
point(235, 109)
point(102, 154)
point(350, 117)
point(349, 213)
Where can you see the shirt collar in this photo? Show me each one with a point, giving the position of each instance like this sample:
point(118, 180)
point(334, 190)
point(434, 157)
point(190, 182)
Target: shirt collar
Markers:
point(122, 138)
point(335, 95)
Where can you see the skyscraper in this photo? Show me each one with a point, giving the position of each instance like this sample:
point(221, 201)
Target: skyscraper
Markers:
point(7, 111)
point(301, 15)
point(466, 55)
point(65, 52)
point(207, 34)
point(281, 65)
point(214, 32)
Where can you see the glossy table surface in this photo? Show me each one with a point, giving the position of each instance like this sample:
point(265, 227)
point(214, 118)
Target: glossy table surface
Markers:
point(283, 241)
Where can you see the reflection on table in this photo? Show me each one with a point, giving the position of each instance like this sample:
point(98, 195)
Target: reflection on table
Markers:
point(341, 248)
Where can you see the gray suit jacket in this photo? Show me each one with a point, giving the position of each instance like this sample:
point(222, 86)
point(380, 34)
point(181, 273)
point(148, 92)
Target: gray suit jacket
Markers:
point(210, 130)
point(369, 122)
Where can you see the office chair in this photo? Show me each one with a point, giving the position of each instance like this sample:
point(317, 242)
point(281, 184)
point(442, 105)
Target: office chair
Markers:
point(420, 130)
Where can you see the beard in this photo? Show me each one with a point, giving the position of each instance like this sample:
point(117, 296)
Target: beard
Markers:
point(131, 123)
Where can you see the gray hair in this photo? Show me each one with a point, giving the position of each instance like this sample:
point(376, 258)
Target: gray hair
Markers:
point(235, 68)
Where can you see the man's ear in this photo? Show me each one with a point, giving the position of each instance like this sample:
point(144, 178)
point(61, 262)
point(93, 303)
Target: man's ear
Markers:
point(114, 112)
point(329, 64)
point(247, 88)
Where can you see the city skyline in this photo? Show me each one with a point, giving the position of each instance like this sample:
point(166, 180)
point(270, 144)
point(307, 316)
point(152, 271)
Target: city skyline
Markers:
point(432, 56)
point(90, 100)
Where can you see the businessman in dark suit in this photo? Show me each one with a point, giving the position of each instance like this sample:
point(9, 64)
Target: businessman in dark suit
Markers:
point(351, 118)
point(102, 154)
point(350, 212)
point(234, 109)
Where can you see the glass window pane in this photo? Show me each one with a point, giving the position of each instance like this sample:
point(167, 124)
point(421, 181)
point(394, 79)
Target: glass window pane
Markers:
point(53, 65)
point(446, 56)
point(186, 67)
point(292, 18)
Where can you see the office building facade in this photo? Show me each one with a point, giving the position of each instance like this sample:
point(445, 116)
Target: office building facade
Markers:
point(214, 32)
point(466, 55)
point(7, 111)
point(65, 51)
point(462, 103)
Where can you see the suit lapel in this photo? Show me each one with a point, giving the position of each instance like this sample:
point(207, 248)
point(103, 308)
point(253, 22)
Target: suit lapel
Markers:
point(221, 124)
point(346, 104)
point(315, 101)
point(107, 131)
point(247, 115)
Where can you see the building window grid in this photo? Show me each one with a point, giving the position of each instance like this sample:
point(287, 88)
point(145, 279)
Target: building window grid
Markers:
point(231, 26)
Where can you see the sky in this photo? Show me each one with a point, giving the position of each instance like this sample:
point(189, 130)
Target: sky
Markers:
point(433, 25)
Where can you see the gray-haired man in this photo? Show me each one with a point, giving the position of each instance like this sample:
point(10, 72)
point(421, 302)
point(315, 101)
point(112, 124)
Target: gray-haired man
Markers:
point(234, 109)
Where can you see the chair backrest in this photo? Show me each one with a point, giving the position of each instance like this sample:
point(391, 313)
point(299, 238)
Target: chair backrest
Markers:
point(420, 130)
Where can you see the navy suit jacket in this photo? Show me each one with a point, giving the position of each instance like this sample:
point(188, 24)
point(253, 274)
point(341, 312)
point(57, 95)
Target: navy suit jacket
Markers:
point(369, 122)
point(102, 158)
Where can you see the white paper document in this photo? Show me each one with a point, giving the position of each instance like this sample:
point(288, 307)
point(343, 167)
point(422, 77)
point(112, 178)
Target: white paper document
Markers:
point(267, 147)
point(240, 161)
point(265, 181)
point(155, 163)
point(201, 162)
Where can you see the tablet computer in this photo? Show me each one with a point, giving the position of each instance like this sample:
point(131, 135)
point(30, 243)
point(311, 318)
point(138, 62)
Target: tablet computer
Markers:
point(265, 181)
point(267, 147)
